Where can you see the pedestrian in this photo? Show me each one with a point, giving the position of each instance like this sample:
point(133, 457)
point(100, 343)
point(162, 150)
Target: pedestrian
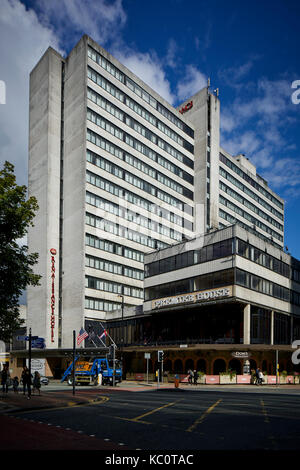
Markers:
point(5, 379)
point(16, 384)
point(36, 383)
point(257, 378)
point(26, 379)
point(190, 374)
point(261, 377)
point(195, 377)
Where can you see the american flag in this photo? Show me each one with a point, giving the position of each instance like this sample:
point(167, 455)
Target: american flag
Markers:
point(82, 335)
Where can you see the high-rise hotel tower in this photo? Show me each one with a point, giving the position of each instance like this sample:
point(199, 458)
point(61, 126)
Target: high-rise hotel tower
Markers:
point(118, 172)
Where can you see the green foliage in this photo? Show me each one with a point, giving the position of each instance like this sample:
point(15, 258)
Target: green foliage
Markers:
point(16, 273)
point(231, 373)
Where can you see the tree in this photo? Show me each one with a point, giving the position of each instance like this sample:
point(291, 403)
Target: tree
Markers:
point(16, 273)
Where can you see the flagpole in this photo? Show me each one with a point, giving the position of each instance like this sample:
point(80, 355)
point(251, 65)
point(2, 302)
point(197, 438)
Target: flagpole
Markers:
point(74, 351)
point(108, 335)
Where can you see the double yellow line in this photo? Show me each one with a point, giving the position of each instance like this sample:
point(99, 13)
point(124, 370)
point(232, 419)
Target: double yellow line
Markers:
point(203, 416)
point(139, 418)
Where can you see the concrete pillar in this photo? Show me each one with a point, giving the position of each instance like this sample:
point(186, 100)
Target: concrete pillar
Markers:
point(272, 327)
point(247, 323)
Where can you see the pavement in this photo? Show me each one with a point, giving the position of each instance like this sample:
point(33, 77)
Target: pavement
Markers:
point(56, 395)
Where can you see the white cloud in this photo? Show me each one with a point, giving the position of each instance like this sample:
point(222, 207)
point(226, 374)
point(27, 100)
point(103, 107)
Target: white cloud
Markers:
point(101, 19)
point(23, 41)
point(148, 67)
point(255, 127)
point(192, 82)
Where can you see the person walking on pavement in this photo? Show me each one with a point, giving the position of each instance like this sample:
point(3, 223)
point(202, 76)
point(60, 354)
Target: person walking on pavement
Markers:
point(5, 379)
point(257, 376)
point(16, 384)
point(26, 379)
point(195, 377)
point(190, 374)
point(36, 383)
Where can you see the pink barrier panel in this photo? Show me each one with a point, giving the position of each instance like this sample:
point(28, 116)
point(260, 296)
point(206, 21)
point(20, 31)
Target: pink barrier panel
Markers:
point(243, 379)
point(272, 379)
point(183, 378)
point(290, 379)
point(212, 379)
point(139, 376)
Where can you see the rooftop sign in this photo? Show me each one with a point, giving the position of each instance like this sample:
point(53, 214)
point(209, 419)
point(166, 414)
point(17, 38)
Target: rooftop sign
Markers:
point(193, 297)
point(186, 108)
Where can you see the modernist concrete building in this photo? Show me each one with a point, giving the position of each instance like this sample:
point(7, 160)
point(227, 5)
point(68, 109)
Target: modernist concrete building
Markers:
point(112, 167)
point(119, 174)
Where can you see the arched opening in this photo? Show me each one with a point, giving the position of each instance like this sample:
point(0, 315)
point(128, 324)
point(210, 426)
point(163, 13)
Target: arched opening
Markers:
point(264, 366)
point(168, 366)
point(189, 364)
point(219, 366)
point(253, 364)
point(178, 367)
point(235, 365)
point(201, 365)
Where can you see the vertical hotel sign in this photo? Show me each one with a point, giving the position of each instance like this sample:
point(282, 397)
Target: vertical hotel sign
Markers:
point(52, 317)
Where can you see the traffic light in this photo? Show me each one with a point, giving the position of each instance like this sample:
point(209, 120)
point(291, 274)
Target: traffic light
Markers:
point(160, 356)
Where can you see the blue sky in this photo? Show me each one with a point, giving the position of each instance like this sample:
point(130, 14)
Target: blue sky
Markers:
point(250, 51)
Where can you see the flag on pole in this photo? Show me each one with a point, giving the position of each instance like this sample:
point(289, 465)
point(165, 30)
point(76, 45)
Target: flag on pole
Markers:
point(104, 334)
point(81, 336)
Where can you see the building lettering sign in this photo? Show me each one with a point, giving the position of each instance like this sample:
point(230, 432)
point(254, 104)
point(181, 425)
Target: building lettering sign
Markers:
point(186, 108)
point(194, 297)
point(52, 316)
point(241, 354)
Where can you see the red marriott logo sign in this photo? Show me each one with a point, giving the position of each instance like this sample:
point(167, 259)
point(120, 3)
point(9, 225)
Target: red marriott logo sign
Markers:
point(186, 108)
point(52, 318)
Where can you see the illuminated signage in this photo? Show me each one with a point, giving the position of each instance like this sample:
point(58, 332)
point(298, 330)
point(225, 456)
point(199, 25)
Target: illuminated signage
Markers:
point(52, 317)
point(194, 297)
point(186, 108)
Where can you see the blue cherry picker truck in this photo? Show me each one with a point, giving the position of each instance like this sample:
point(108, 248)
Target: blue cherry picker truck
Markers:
point(87, 372)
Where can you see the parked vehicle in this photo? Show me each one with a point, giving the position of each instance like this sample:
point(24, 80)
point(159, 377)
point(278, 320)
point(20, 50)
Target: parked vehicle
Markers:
point(87, 372)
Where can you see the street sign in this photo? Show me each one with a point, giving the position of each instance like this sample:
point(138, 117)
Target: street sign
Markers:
point(147, 356)
point(21, 338)
point(38, 343)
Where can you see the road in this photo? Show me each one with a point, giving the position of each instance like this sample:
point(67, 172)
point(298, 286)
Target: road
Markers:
point(171, 419)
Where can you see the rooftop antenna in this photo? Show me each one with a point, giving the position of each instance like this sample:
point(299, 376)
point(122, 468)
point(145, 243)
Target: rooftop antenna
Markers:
point(208, 82)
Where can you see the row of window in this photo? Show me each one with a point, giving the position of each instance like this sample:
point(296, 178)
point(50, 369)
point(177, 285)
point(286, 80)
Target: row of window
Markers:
point(250, 180)
point(233, 221)
point(132, 198)
point(101, 305)
point(253, 282)
point(114, 268)
point(250, 193)
point(249, 205)
point(131, 216)
point(105, 104)
point(189, 258)
point(119, 153)
point(140, 183)
point(113, 287)
point(95, 118)
point(134, 143)
point(105, 64)
point(194, 284)
point(262, 258)
point(219, 279)
point(117, 171)
point(249, 217)
point(112, 247)
point(124, 232)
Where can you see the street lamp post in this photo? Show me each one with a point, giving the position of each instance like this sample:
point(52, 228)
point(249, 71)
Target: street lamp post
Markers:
point(122, 339)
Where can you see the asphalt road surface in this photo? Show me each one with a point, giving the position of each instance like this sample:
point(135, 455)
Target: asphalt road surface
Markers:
point(167, 420)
